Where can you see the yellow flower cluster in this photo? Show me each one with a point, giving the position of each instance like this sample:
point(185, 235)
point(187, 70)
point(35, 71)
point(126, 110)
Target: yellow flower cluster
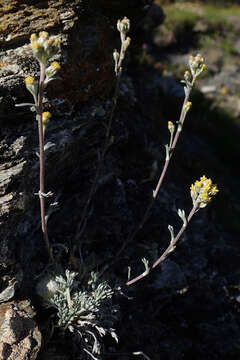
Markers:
point(44, 47)
point(202, 191)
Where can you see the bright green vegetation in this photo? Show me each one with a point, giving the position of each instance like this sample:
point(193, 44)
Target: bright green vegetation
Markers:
point(189, 13)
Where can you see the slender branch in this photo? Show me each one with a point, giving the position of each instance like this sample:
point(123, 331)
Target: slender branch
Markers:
point(169, 249)
point(132, 234)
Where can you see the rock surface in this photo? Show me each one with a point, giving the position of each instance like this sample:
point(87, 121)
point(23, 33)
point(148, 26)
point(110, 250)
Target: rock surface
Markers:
point(20, 338)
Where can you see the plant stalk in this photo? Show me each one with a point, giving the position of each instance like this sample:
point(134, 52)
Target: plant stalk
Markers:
point(132, 234)
point(169, 249)
point(42, 160)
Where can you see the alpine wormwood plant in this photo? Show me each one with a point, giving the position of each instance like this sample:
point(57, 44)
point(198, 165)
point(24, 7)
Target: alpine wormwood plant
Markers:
point(43, 48)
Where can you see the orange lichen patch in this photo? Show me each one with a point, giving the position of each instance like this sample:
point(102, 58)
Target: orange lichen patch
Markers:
point(18, 19)
point(2, 64)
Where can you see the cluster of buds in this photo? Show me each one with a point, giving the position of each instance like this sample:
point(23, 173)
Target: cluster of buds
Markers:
point(43, 46)
point(123, 27)
point(202, 191)
point(196, 65)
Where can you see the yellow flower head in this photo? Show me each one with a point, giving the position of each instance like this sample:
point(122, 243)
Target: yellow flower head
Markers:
point(55, 65)
point(202, 191)
point(50, 42)
point(191, 58)
point(45, 119)
point(187, 106)
point(46, 115)
point(35, 45)
point(56, 42)
point(29, 80)
point(44, 35)
point(33, 37)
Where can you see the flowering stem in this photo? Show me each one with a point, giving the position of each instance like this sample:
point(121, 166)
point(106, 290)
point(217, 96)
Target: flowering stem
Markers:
point(173, 144)
point(42, 159)
point(169, 249)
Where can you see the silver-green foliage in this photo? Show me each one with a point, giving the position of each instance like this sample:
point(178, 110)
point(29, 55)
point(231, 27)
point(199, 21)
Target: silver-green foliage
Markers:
point(88, 311)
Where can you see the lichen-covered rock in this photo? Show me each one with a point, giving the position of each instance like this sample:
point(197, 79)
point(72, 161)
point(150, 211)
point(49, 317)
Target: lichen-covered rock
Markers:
point(20, 338)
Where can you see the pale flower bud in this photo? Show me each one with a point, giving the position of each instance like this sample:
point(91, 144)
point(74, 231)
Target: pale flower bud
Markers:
point(171, 127)
point(52, 69)
point(123, 25)
point(116, 56)
point(126, 43)
point(45, 119)
point(187, 106)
